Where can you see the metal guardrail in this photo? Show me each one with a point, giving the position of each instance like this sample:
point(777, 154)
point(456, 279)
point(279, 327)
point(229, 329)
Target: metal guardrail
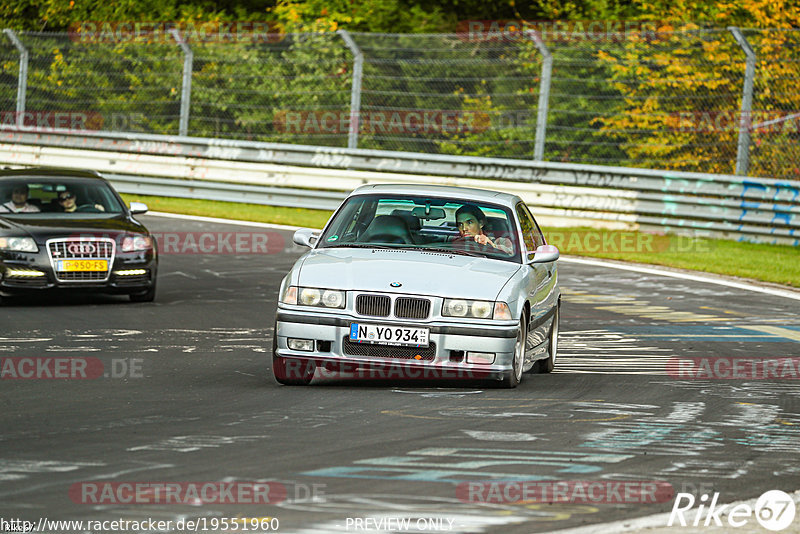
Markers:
point(226, 192)
point(734, 207)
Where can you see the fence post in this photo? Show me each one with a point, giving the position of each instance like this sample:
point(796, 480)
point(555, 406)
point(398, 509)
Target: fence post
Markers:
point(743, 149)
point(544, 96)
point(355, 91)
point(186, 87)
point(22, 80)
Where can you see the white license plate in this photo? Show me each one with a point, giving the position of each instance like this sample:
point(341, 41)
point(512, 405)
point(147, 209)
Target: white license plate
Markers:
point(389, 335)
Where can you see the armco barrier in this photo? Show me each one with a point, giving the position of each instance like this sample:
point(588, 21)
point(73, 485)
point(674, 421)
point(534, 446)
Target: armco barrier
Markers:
point(734, 207)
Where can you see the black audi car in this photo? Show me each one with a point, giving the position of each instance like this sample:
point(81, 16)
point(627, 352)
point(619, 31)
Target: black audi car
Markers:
point(69, 230)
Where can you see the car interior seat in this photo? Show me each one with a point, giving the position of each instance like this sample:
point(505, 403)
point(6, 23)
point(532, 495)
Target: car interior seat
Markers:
point(388, 229)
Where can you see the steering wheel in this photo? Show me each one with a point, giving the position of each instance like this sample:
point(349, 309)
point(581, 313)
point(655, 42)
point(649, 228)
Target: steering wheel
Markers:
point(88, 208)
point(467, 242)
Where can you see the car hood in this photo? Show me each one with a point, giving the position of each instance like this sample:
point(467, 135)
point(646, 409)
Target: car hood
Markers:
point(419, 272)
point(43, 228)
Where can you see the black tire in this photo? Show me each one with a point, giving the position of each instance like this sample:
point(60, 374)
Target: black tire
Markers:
point(146, 296)
point(292, 371)
point(514, 377)
point(547, 365)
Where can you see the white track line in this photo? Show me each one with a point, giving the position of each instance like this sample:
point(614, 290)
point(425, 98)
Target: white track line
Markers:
point(785, 293)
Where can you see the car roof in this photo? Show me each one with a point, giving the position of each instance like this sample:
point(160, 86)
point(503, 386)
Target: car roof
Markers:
point(49, 172)
point(464, 193)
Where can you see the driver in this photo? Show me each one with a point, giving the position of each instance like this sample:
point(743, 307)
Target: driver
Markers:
point(471, 220)
point(19, 201)
point(69, 204)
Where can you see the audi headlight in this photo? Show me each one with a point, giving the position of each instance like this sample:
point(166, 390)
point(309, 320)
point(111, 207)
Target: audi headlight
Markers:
point(313, 296)
point(18, 244)
point(137, 242)
point(475, 309)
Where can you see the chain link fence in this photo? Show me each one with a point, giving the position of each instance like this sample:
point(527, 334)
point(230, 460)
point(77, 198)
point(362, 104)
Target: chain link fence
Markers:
point(681, 100)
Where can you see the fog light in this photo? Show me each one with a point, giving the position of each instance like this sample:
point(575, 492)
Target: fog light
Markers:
point(306, 345)
point(23, 273)
point(131, 272)
point(484, 358)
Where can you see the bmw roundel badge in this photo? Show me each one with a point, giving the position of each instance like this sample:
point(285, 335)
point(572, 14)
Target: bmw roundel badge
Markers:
point(395, 284)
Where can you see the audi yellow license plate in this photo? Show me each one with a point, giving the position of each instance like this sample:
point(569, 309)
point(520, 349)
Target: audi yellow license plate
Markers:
point(81, 265)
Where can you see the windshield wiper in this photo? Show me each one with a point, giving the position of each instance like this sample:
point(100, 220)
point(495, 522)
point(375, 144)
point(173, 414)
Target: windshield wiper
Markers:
point(365, 245)
point(453, 251)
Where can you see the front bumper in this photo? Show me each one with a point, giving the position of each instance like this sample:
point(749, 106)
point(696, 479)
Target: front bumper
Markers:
point(445, 358)
point(22, 273)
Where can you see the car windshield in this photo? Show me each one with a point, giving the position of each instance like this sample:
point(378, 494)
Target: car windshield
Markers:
point(57, 197)
point(453, 226)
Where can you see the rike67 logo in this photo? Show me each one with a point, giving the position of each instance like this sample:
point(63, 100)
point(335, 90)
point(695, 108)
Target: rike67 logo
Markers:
point(774, 510)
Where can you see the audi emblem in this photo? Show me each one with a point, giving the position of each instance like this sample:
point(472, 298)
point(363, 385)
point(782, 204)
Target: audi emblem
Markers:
point(77, 249)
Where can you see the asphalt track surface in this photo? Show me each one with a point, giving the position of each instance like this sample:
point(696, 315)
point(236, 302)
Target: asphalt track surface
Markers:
point(190, 398)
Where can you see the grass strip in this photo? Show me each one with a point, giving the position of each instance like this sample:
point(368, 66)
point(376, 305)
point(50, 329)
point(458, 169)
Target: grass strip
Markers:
point(779, 264)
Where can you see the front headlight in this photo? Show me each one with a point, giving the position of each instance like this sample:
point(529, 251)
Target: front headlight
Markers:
point(18, 244)
point(475, 309)
point(313, 296)
point(136, 242)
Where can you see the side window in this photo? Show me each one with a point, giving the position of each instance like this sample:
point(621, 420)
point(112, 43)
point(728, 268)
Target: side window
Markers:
point(528, 227)
point(538, 237)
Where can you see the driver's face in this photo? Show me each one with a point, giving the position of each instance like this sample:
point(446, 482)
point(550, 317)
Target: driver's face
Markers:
point(19, 197)
point(468, 224)
point(67, 200)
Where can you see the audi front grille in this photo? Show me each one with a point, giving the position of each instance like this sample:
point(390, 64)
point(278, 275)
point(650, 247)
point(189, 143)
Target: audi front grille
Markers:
point(81, 249)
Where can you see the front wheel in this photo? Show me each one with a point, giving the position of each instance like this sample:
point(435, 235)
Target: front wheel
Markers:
point(514, 376)
point(547, 365)
point(147, 296)
point(292, 371)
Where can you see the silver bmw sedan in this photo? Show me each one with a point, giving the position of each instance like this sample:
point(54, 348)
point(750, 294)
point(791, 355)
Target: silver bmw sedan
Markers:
point(417, 282)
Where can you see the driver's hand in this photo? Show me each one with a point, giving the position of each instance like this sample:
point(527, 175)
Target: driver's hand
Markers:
point(99, 207)
point(483, 240)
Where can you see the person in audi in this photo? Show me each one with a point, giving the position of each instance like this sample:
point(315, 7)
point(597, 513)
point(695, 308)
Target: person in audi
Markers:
point(19, 201)
point(67, 201)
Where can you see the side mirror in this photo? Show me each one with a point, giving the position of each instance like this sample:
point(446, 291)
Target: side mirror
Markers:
point(137, 208)
point(544, 254)
point(306, 237)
